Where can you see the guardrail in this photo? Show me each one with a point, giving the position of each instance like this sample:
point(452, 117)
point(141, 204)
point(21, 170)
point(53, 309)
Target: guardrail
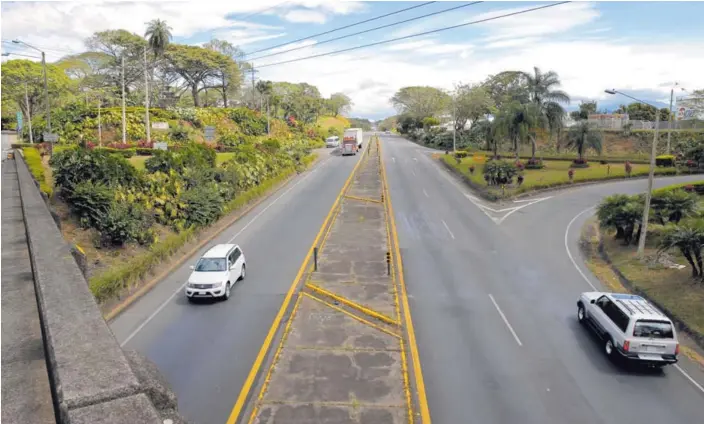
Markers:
point(92, 380)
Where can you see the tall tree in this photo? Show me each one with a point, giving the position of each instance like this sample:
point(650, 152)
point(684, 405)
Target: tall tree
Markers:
point(471, 103)
point(420, 102)
point(198, 68)
point(507, 87)
point(158, 35)
point(116, 45)
point(231, 79)
point(339, 103)
point(554, 116)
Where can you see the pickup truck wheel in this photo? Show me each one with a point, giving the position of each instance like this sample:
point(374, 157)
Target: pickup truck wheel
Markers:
point(580, 314)
point(609, 348)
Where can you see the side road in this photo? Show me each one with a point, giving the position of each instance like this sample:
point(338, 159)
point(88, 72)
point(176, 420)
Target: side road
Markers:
point(206, 349)
point(342, 356)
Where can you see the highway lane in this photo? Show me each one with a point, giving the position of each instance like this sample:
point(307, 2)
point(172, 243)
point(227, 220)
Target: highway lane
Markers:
point(205, 350)
point(494, 306)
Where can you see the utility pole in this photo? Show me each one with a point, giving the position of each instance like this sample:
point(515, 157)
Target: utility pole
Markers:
point(454, 125)
point(646, 210)
point(146, 95)
point(46, 95)
point(669, 125)
point(100, 128)
point(29, 114)
point(268, 127)
point(124, 115)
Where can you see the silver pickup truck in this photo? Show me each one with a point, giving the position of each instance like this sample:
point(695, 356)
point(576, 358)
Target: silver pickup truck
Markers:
point(630, 327)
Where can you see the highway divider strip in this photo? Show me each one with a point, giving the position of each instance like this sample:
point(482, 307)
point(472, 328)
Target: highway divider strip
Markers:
point(259, 360)
point(363, 309)
point(216, 230)
point(360, 319)
point(408, 322)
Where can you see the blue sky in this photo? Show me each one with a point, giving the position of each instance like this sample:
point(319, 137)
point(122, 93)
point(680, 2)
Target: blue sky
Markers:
point(638, 47)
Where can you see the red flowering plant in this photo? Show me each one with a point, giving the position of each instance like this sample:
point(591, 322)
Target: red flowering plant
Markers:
point(628, 167)
point(689, 188)
point(519, 165)
point(570, 174)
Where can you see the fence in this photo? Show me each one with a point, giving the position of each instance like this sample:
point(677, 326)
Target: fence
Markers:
point(620, 125)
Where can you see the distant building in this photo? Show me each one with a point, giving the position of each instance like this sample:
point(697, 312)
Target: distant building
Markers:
point(614, 121)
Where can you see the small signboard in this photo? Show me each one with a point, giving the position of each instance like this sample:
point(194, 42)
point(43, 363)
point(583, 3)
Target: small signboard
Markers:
point(209, 133)
point(161, 146)
point(19, 122)
point(160, 125)
point(50, 137)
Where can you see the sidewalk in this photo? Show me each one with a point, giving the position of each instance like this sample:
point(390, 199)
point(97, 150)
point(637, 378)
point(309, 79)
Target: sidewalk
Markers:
point(341, 358)
point(26, 396)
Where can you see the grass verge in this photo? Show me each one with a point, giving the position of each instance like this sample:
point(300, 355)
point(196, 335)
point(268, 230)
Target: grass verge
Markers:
point(115, 280)
point(36, 167)
point(554, 174)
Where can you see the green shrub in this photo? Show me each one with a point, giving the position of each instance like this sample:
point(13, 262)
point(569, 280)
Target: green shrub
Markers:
point(144, 151)
point(36, 167)
point(461, 154)
point(198, 155)
point(249, 121)
point(499, 172)
point(164, 161)
point(73, 166)
point(202, 204)
point(665, 160)
point(125, 153)
point(89, 202)
point(180, 133)
point(124, 222)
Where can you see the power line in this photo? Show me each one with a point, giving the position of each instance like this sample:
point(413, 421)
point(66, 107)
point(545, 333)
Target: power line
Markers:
point(340, 28)
point(264, 10)
point(369, 30)
point(48, 50)
point(414, 35)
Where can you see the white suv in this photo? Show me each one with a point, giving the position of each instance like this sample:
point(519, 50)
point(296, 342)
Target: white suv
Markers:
point(630, 327)
point(216, 272)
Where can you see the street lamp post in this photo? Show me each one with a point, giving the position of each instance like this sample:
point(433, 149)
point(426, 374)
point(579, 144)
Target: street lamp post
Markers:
point(651, 174)
point(46, 85)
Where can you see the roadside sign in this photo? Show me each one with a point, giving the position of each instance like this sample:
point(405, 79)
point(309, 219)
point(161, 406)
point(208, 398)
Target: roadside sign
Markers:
point(209, 133)
point(19, 122)
point(161, 146)
point(50, 137)
point(160, 125)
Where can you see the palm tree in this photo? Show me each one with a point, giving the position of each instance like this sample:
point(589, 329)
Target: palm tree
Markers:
point(554, 114)
point(673, 205)
point(158, 35)
point(689, 239)
point(520, 122)
point(581, 137)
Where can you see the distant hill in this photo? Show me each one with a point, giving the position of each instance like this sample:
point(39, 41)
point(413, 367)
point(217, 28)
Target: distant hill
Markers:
point(364, 124)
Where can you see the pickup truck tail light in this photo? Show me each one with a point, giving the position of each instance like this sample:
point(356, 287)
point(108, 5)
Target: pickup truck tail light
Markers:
point(677, 349)
point(626, 345)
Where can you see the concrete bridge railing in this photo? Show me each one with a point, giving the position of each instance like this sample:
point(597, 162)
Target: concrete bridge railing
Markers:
point(92, 379)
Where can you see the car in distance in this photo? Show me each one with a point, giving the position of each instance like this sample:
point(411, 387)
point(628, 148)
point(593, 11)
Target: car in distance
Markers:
point(332, 141)
point(630, 327)
point(215, 273)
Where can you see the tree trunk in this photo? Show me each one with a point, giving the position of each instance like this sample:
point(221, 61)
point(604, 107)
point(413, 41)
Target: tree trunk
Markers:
point(557, 142)
point(533, 145)
point(688, 256)
point(698, 257)
point(620, 233)
point(224, 92)
point(194, 92)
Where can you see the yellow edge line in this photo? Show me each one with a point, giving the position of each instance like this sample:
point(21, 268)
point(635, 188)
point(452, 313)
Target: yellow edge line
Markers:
point(267, 379)
point(362, 320)
point(247, 386)
point(363, 199)
point(352, 304)
point(415, 357)
point(404, 360)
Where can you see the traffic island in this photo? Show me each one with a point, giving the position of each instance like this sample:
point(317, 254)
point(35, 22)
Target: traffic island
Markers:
point(342, 354)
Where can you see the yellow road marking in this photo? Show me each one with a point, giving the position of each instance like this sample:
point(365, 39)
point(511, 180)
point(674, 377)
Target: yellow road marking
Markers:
point(247, 386)
point(351, 304)
point(363, 199)
point(415, 357)
point(360, 319)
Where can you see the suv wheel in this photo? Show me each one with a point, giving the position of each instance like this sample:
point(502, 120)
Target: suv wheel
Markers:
point(580, 314)
point(609, 348)
point(227, 292)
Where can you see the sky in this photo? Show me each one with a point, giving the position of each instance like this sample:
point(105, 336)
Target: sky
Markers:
point(640, 48)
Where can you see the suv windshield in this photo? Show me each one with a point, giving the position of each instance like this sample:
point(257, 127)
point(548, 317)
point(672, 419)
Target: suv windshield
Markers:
point(653, 329)
point(211, 265)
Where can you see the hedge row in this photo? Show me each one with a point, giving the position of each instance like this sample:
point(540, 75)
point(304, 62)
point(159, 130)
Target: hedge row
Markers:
point(113, 281)
point(697, 187)
point(34, 162)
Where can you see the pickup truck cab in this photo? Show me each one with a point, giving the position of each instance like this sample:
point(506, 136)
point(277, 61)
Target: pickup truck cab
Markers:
point(630, 327)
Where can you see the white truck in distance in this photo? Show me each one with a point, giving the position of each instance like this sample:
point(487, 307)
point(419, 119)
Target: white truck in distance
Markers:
point(352, 141)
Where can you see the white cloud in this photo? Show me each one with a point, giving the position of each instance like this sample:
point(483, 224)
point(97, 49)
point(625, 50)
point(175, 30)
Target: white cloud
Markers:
point(558, 19)
point(241, 38)
point(516, 42)
point(305, 16)
point(410, 45)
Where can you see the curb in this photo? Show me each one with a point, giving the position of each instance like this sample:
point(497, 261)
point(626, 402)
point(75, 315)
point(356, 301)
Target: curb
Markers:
point(149, 285)
point(697, 337)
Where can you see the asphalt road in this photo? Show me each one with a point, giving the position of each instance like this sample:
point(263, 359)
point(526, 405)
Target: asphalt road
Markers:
point(205, 350)
point(493, 297)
